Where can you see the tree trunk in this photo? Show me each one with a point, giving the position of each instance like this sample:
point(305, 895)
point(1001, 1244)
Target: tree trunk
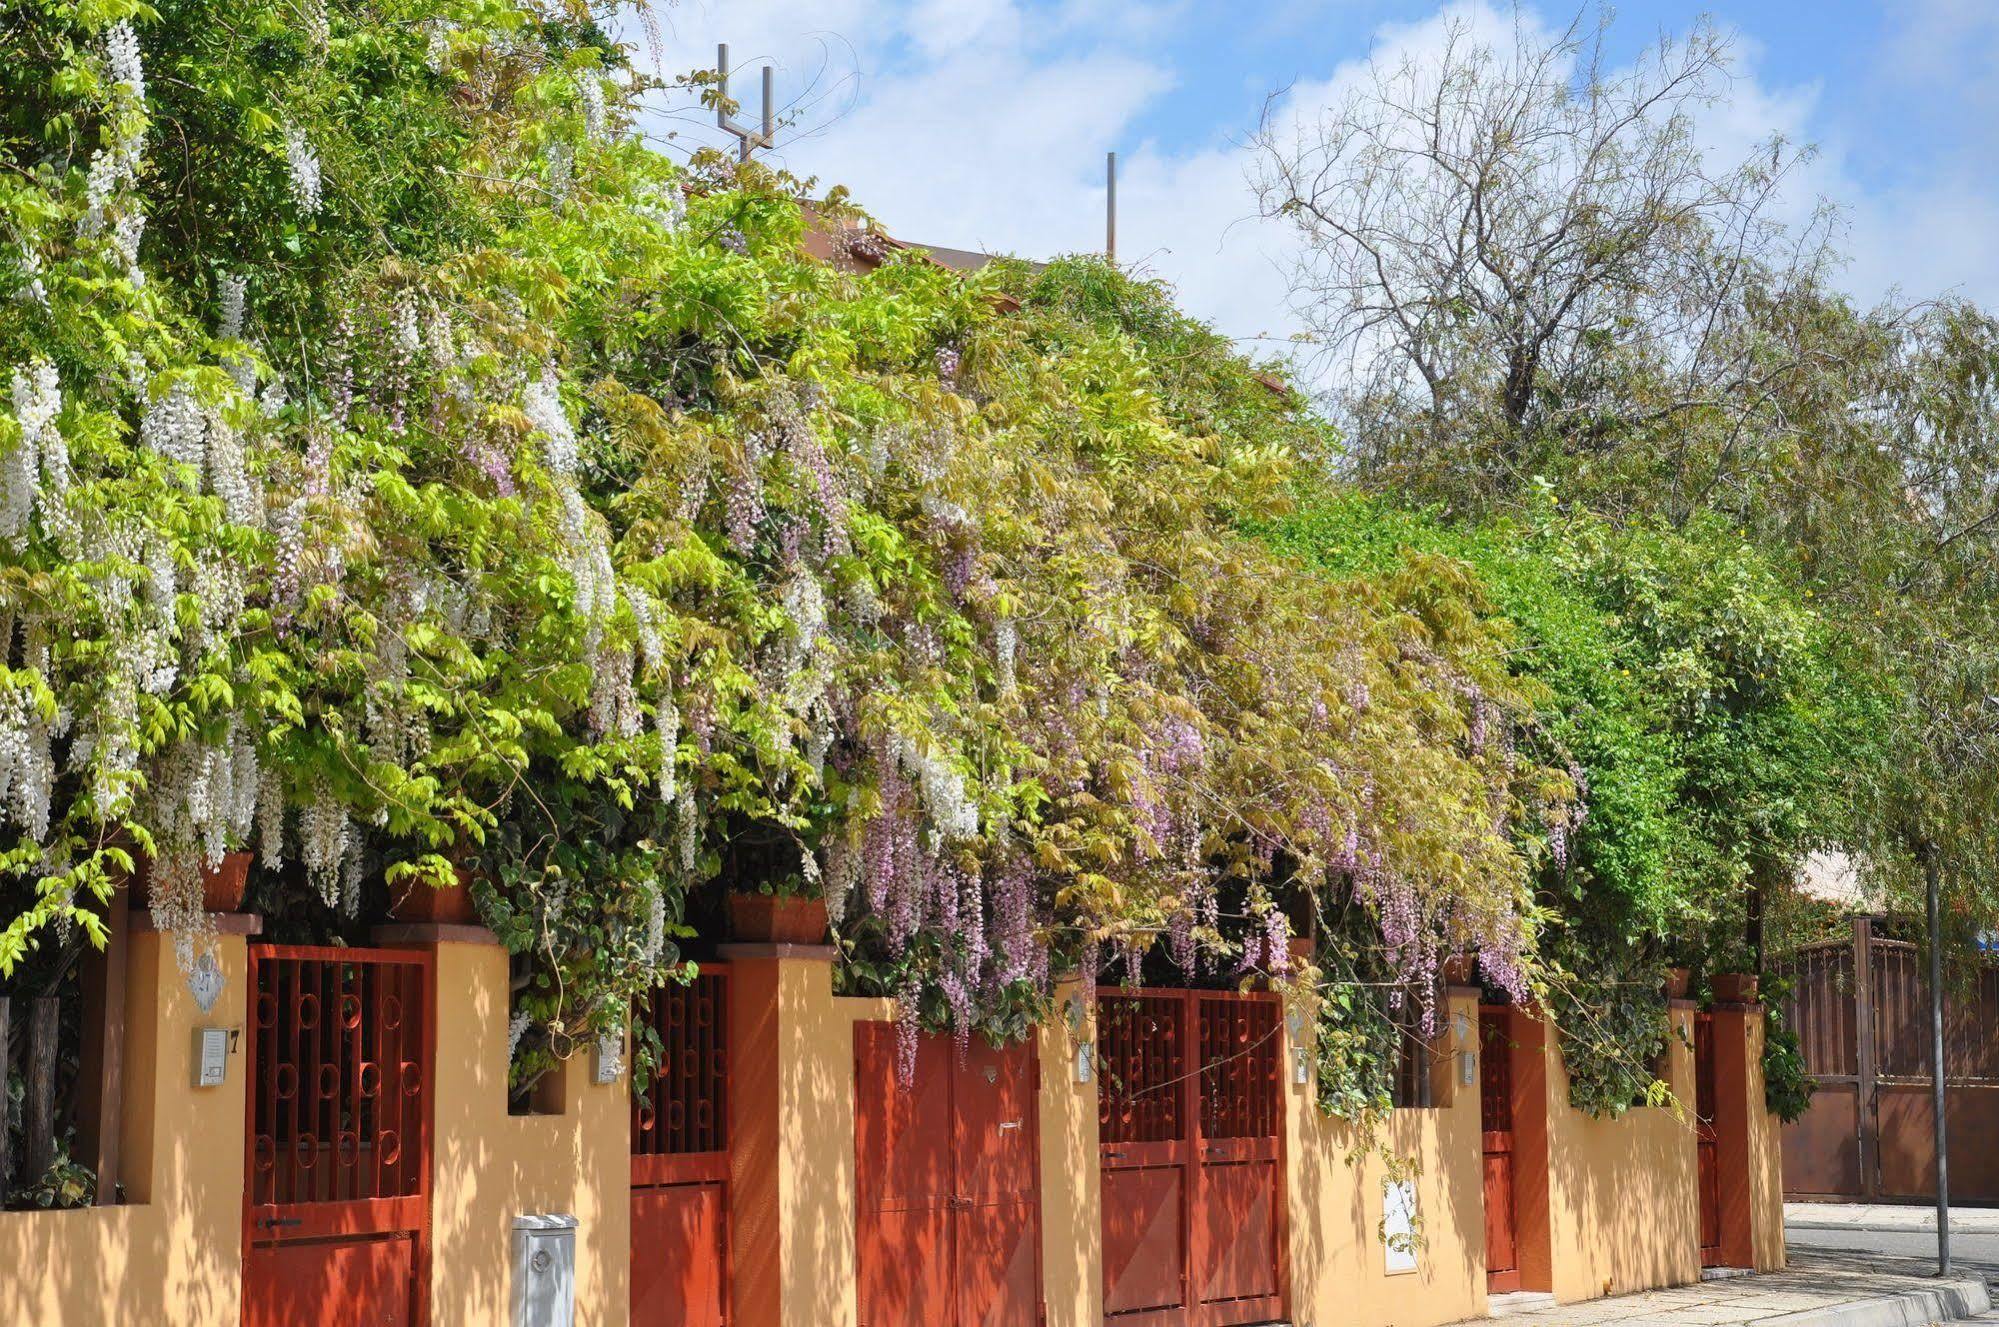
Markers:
point(6, 1067)
point(39, 1111)
point(100, 1093)
point(1762, 875)
point(1522, 366)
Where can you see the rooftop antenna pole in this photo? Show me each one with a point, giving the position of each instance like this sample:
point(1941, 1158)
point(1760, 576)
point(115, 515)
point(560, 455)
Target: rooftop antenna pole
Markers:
point(1110, 208)
point(748, 139)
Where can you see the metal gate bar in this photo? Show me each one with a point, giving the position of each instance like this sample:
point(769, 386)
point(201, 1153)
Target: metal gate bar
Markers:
point(684, 1112)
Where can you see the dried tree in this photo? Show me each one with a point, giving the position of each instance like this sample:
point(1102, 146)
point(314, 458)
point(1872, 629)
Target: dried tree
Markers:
point(1497, 234)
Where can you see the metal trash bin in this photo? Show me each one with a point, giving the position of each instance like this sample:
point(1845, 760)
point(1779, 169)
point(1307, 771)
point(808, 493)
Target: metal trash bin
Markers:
point(545, 1270)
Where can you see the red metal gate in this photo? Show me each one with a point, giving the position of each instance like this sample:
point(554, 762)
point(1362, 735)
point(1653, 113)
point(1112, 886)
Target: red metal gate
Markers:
point(1190, 1129)
point(1495, 1113)
point(948, 1168)
point(1861, 1011)
point(680, 1160)
point(1706, 1141)
point(336, 1211)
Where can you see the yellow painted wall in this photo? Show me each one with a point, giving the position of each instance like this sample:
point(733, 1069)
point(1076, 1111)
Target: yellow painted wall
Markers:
point(1766, 1160)
point(1072, 1222)
point(1623, 1199)
point(490, 1167)
point(1623, 1208)
point(172, 1254)
point(1338, 1263)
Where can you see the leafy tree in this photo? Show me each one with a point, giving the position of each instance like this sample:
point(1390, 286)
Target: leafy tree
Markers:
point(1539, 279)
point(410, 474)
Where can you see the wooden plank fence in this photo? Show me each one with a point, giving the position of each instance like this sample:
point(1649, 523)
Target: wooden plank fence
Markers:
point(1868, 1134)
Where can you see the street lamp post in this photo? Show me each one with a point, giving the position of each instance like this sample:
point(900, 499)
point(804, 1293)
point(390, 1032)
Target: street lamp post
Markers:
point(1937, 1065)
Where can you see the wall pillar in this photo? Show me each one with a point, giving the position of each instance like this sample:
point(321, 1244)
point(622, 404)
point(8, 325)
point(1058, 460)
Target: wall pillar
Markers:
point(1072, 1252)
point(791, 1121)
point(1748, 1144)
point(488, 1167)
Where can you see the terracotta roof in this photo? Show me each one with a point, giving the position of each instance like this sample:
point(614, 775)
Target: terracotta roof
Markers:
point(848, 243)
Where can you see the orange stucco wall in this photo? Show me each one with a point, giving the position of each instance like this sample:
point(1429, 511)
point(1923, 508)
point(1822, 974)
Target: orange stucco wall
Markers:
point(1742, 1030)
point(1619, 1195)
point(171, 1254)
point(490, 1167)
point(1338, 1260)
point(1623, 1208)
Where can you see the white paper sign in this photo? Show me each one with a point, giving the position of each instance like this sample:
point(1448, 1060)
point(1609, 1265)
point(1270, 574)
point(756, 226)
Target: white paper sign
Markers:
point(1398, 1226)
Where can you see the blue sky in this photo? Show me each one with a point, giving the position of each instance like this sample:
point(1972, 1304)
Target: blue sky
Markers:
point(983, 123)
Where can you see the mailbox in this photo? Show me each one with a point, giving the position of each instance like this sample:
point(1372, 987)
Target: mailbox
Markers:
point(545, 1271)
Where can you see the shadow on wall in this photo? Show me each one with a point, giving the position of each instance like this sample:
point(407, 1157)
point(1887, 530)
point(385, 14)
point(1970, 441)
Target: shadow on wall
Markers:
point(490, 1167)
point(1624, 1208)
point(171, 1254)
point(1339, 1261)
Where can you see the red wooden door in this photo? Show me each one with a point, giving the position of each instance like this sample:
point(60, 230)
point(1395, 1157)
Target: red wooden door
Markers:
point(1148, 1153)
point(997, 1223)
point(1708, 1170)
point(680, 1160)
point(1239, 1207)
point(948, 1170)
point(336, 1210)
point(1190, 1141)
point(1495, 1110)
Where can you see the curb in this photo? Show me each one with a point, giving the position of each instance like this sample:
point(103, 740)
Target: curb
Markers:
point(1984, 1224)
point(1946, 1302)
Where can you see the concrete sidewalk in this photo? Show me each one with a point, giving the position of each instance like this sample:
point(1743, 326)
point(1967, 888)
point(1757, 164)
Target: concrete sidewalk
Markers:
point(1888, 1216)
point(1818, 1290)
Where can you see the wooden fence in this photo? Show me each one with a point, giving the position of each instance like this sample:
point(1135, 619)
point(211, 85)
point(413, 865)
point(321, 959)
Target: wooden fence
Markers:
point(1868, 1134)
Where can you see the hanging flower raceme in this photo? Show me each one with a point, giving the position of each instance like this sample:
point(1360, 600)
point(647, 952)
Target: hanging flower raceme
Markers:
point(303, 163)
point(35, 474)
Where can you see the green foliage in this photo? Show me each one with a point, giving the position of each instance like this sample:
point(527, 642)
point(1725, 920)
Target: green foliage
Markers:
point(1357, 1043)
point(446, 481)
point(65, 1184)
point(1706, 708)
point(1787, 1086)
point(1611, 1019)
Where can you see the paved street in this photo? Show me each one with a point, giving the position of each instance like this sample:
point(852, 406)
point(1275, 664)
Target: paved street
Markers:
point(1824, 1286)
point(1975, 1252)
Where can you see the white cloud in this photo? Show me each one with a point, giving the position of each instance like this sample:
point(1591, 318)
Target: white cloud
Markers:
point(982, 124)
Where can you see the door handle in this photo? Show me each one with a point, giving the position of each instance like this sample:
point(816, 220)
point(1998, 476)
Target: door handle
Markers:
point(279, 1222)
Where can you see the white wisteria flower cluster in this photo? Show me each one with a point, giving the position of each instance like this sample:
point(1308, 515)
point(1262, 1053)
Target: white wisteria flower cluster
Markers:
point(303, 163)
point(35, 475)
